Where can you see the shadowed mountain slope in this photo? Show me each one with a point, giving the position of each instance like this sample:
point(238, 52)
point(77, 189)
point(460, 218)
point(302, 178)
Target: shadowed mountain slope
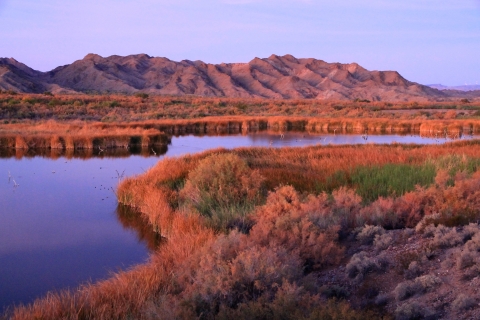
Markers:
point(273, 77)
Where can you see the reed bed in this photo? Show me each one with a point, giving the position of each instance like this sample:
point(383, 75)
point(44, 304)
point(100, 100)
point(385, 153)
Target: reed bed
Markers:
point(77, 136)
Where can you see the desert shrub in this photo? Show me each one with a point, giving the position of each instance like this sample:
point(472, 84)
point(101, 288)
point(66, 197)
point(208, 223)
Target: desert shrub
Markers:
point(289, 302)
point(382, 299)
point(346, 208)
point(411, 311)
point(247, 275)
point(414, 270)
point(333, 291)
point(368, 233)
point(299, 226)
point(223, 187)
point(465, 260)
point(261, 268)
point(360, 264)
point(473, 244)
point(469, 258)
point(405, 258)
point(427, 221)
point(382, 212)
point(382, 242)
point(463, 302)
point(470, 273)
point(429, 231)
point(446, 237)
point(292, 304)
point(460, 204)
point(405, 290)
point(428, 282)
point(469, 231)
point(368, 290)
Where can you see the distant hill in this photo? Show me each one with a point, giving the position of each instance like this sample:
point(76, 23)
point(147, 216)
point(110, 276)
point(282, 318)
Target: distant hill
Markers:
point(471, 87)
point(273, 77)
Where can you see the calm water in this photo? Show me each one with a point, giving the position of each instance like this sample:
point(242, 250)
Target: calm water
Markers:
point(61, 226)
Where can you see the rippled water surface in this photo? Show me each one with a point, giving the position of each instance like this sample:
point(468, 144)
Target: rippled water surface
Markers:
point(60, 224)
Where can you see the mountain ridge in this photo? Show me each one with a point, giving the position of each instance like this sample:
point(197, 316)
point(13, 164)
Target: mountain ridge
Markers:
point(278, 77)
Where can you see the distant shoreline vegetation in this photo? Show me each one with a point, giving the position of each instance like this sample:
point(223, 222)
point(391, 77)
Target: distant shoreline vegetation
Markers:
point(16, 107)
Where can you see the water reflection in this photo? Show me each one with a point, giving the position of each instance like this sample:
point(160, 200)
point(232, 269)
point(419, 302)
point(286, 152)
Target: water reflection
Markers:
point(210, 140)
point(132, 219)
point(83, 153)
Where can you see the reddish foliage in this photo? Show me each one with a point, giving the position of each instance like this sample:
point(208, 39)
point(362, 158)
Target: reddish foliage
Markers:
point(287, 222)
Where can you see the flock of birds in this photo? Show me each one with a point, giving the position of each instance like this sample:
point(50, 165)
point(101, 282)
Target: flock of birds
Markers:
point(447, 136)
point(324, 139)
point(119, 177)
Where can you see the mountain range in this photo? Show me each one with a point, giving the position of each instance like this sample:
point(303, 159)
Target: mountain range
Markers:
point(280, 77)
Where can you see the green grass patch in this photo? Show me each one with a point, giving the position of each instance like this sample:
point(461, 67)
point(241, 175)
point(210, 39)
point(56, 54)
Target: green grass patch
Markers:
point(373, 182)
point(390, 179)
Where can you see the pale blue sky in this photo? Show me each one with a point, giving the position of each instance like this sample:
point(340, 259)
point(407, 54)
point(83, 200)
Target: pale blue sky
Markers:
point(427, 41)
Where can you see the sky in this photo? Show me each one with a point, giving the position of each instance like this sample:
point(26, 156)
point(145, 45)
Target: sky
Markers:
point(427, 41)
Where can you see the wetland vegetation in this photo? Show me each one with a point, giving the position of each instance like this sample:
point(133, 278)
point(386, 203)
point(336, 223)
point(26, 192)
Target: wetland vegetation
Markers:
point(321, 232)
